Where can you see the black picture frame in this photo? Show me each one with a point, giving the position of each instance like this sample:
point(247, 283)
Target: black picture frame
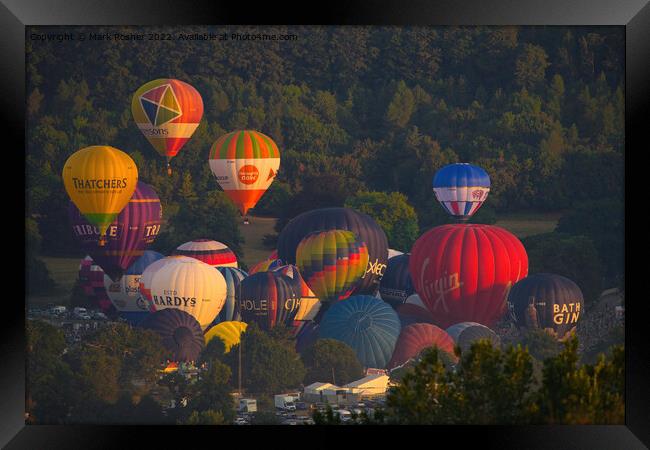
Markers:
point(15, 15)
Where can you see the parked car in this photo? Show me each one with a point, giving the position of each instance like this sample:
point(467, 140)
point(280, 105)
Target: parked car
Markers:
point(98, 315)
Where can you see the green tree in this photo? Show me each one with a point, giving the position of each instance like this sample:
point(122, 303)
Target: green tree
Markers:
point(603, 222)
point(574, 257)
point(401, 106)
point(531, 66)
point(393, 214)
point(212, 392)
point(48, 390)
point(587, 394)
point(213, 216)
point(208, 417)
point(268, 366)
point(540, 344)
point(329, 358)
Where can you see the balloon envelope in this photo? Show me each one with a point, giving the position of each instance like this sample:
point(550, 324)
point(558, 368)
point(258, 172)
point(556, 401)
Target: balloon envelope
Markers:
point(461, 189)
point(396, 285)
point(210, 252)
point(125, 292)
point(465, 334)
point(547, 301)
point(268, 299)
point(229, 332)
point(133, 230)
point(233, 278)
point(181, 334)
point(463, 272)
point(100, 180)
point(245, 163)
point(415, 338)
point(409, 313)
point(362, 225)
point(332, 263)
point(167, 112)
point(91, 281)
point(187, 284)
point(367, 324)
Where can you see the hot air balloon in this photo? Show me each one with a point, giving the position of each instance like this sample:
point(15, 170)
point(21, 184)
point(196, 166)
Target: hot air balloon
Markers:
point(409, 313)
point(309, 302)
point(415, 338)
point(362, 225)
point(367, 324)
point(167, 112)
point(100, 180)
point(465, 334)
point(332, 263)
point(306, 336)
point(134, 229)
point(463, 272)
point(210, 252)
point(147, 276)
point(461, 189)
point(91, 281)
point(395, 286)
point(245, 163)
point(271, 263)
point(229, 332)
point(186, 284)
point(181, 334)
point(547, 301)
point(268, 299)
point(230, 310)
point(125, 293)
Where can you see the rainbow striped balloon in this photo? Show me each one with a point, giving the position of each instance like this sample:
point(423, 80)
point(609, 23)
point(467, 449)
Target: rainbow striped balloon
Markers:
point(332, 263)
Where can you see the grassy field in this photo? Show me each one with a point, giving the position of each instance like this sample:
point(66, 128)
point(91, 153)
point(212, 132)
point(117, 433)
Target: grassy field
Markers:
point(528, 224)
point(253, 233)
point(64, 271)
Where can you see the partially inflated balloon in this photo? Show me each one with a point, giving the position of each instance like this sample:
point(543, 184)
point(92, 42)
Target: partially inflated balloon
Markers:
point(332, 263)
point(268, 299)
point(125, 293)
point(362, 225)
point(415, 338)
point(547, 301)
point(210, 252)
point(100, 180)
point(230, 310)
point(181, 334)
point(167, 112)
point(463, 272)
point(268, 264)
point(396, 285)
point(309, 302)
point(134, 229)
point(229, 332)
point(91, 281)
point(465, 334)
point(367, 324)
point(461, 189)
point(189, 285)
point(245, 163)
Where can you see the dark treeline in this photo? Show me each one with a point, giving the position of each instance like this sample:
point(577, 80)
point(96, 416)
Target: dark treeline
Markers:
point(352, 109)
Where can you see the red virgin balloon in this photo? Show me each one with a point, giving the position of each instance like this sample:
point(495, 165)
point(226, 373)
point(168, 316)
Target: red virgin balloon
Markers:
point(463, 272)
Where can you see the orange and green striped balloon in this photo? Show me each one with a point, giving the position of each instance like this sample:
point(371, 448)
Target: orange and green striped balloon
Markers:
point(245, 163)
point(332, 263)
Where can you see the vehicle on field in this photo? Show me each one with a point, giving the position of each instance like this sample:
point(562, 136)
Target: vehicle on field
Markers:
point(286, 401)
point(247, 405)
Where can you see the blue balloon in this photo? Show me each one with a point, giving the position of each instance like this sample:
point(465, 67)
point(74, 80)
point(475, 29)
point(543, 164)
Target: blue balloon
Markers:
point(140, 264)
point(135, 270)
point(367, 324)
point(230, 310)
point(461, 189)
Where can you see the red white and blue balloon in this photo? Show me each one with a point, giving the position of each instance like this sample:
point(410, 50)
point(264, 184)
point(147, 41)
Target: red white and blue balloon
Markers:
point(461, 189)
